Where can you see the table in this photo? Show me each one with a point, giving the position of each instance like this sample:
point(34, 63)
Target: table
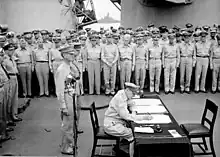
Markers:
point(162, 144)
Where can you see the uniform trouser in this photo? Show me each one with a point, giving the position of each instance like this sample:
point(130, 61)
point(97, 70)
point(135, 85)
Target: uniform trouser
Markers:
point(216, 75)
point(186, 67)
point(42, 71)
point(201, 68)
point(67, 126)
point(25, 73)
point(2, 113)
point(94, 76)
point(6, 103)
point(125, 72)
point(13, 96)
point(170, 74)
point(80, 81)
point(55, 65)
point(140, 73)
point(154, 72)
point(110, 77)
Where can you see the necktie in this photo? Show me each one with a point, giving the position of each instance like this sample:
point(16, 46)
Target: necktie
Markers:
point(5, 72)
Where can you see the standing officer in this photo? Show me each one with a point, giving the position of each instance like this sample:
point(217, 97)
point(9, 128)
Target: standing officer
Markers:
point(155, 63)
point(170, 61)
point(93, 55)
point(25, 64)
point(187, 62)
point(141, 62)
point(11, 67)
point(55, 58)
point(4, 88)
point(202, 62)
point(41, 57)
point(215, 65)
point(65, 77)
point(126, 60)
point(109, 56)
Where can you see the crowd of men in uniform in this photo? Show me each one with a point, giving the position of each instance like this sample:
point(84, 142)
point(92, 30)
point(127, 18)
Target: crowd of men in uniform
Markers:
point(107, 60)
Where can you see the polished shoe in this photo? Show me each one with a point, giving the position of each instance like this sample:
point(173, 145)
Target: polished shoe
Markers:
point(80, 131)
point(29, 96)
point(172, 92)
point(196, 91)
point(40, 96)
point(68, 153)
point(9, 129)
point(158, 93)
point(188, 92)
point(166, 93)
point(181, 92)
point(11, 123)
point(47, 95)
point(5, 139)
point(17, 119)
point(203, 91)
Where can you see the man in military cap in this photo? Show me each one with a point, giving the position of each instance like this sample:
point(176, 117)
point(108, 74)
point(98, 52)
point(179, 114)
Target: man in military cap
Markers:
point(196, 37)
point(202, 62)
point(215, 65)
point(126, 60)
point(141, 62)
point(187, 62)
point(93, 56)
point(170, 62)
point(25, 65)
point(55, 58)
point(164, 36)
point(65, 79)
point(41, 59)
point(189, 26)
point(213, 32)
point(11, 67)
point(155, 63)
point(4, 29)
point(117, 114)
point(109, 57)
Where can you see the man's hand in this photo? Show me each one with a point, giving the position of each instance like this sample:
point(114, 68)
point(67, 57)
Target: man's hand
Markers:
point(65, 112)
point(147, 117)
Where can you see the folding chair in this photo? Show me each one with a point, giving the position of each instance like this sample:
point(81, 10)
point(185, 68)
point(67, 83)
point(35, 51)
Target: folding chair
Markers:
point(200, 130)
point(99, 134)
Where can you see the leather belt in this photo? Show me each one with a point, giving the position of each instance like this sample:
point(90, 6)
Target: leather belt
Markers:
point(25, 63)
point(57, 60)
point(42, 61)
point(170, 57)
point(216, 57)
point(186, 56)
point(10, 74)
point(202, 56)
point(124, 59)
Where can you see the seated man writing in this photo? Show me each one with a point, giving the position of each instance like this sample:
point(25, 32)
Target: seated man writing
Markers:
point(117, 114)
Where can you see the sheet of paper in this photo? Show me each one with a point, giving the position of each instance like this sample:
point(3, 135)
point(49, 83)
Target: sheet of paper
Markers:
point(144, 130)
point(157, 119)
point(136, 96)
point(143, 102)
point(174, 133)
point(150, 109)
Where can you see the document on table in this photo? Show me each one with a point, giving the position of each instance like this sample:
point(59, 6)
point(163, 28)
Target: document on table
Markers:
point(174, 133)
point(157, 119)
point(150, 109)
point(144, 102)
point(144, 130)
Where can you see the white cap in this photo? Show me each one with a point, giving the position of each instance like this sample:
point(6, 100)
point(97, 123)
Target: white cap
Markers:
point(132, 86)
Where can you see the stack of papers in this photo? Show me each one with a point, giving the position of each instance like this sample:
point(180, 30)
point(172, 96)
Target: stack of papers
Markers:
point(144, 130)
point(157, 119)
point(150, 109)
point(144, 102)
point(174, 133)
